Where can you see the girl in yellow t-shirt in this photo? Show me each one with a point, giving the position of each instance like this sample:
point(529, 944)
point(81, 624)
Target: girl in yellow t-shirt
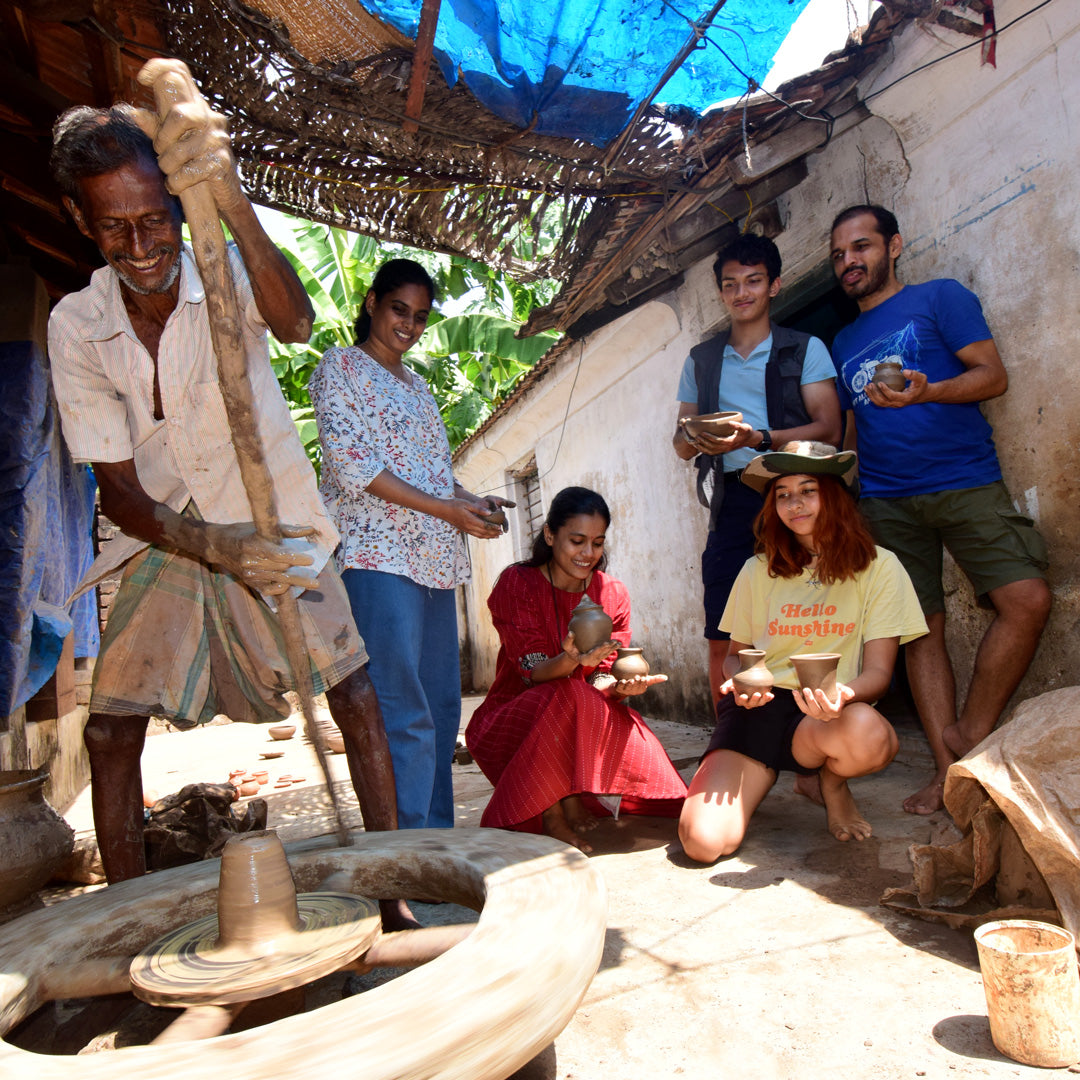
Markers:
point(816, 584)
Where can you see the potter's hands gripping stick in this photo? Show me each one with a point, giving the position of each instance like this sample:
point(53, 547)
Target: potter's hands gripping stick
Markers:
point(175, 91)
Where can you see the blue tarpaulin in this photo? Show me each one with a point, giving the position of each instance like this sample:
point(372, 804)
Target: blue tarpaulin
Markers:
point(582, 68)
point(46, 516)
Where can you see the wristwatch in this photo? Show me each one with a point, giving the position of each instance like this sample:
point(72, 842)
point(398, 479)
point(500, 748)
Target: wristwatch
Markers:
point(765, 445)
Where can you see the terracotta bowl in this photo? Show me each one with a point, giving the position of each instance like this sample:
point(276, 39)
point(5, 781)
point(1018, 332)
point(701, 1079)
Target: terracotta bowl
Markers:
point(718, 424)
point(282, 731)
point(267, 755)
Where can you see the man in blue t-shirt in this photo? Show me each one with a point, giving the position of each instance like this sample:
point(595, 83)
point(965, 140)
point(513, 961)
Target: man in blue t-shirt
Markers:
point(741, 362)
point(930, 477)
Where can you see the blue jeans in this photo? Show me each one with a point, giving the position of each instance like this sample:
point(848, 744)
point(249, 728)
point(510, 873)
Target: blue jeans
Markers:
point(411, 636)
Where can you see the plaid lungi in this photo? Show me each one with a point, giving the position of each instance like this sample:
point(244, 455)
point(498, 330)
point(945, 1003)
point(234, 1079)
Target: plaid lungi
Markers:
point(187, 642)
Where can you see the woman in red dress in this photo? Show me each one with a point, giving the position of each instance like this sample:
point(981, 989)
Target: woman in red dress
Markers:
point(555, 725)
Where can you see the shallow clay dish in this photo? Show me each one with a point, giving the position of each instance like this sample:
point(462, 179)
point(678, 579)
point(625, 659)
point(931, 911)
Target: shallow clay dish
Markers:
point(267, 755)
point(718, 424)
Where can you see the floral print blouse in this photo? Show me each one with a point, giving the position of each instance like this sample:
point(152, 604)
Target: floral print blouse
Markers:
point(369, 421)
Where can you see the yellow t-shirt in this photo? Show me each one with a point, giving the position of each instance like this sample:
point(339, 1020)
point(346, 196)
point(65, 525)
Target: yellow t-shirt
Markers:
point(785, 616)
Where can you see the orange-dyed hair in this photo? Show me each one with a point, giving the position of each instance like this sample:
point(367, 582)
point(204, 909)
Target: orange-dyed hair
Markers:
point(841, 536)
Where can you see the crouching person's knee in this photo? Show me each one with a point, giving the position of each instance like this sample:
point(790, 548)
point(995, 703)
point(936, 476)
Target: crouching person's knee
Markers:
point(706, 841)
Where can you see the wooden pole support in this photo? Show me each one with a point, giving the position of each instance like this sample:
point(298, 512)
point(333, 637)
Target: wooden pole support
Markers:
point(208, 243)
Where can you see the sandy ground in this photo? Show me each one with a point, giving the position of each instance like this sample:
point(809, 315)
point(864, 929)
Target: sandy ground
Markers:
point(776, 962)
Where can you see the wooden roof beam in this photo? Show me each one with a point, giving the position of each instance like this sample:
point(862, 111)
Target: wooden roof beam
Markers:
point(421, 63)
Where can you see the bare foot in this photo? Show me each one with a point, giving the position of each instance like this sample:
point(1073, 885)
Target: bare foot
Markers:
point(556, 825)
point(957, 742)
point(397, 916)
point(927, 800)
point(809, 787)
point(577, 817)
point(843, 817)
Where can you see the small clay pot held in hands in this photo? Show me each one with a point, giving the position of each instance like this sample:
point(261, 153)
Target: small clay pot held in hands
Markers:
point(753, 677)
point(817, 671)
point(889, 373)
point(629, 663)
point(590, 624)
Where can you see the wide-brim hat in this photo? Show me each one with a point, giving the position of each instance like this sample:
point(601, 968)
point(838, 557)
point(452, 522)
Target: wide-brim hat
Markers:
point(794, 458)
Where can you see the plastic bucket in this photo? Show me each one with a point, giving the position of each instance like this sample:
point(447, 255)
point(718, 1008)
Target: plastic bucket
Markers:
point(1032, 990)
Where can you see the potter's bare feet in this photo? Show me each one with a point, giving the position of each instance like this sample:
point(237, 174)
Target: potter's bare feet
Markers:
point(958, 742)
point(397, 916)
point(809, 787)
point(577, 817)
point(556, 825)
point(927, 800)
point(843, 817)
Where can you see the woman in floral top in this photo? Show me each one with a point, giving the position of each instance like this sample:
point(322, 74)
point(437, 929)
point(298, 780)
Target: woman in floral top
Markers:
point(388, 485)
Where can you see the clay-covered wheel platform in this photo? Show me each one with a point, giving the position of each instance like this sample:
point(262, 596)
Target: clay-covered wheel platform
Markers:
point(479, 1012)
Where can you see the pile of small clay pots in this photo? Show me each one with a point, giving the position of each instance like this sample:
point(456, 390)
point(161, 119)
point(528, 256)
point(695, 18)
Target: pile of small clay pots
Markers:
point(249, 783)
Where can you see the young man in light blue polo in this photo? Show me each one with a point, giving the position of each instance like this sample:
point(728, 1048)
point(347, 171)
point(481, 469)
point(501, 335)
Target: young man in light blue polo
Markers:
point(784, 384)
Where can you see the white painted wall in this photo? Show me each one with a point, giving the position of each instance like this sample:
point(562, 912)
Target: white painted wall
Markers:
point(980, 166)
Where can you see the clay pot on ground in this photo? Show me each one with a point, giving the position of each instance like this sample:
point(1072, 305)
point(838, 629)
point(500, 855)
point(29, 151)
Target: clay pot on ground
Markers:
point(335, 742)
point(34, 838)
point(753, 677)
point(282, 731)
point(590, 624)
point(817, 671)
point(718, 424)
point(889, 373)
point(248, 787)
point(629, 663)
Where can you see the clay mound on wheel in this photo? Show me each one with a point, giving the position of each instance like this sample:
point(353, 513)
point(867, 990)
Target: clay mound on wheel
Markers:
point(479, 1012)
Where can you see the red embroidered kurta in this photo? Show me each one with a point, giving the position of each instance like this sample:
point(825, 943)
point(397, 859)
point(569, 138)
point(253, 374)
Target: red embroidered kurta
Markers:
point(538, 744)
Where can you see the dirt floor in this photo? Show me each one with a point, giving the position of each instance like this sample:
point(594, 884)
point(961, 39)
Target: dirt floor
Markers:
point(776, 962)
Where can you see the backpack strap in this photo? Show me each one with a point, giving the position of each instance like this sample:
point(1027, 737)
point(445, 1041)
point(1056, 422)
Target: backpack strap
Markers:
point(708, 357)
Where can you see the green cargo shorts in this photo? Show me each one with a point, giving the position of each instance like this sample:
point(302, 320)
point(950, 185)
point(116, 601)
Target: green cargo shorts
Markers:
point(992, 542)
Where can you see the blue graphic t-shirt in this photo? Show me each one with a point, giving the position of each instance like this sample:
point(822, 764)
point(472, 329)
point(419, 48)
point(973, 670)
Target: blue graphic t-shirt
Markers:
point(926, 447)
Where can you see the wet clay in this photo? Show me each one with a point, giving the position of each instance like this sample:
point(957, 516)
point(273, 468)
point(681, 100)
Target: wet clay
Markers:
point(753, 677)
point(629, 663)
point(718, 424)
point(590, 624)
point(264, 939)
point(817, 671)
point(889, 373)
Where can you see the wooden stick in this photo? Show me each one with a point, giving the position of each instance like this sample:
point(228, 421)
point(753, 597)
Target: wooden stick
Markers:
point(208, 242)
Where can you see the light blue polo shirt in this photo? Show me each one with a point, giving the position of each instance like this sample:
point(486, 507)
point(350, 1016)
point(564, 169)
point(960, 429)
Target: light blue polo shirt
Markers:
point(742, 387)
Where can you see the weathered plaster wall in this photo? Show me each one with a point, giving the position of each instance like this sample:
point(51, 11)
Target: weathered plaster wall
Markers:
point(980, 166)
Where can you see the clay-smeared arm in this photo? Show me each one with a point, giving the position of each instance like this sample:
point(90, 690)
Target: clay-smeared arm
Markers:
point(235, 549)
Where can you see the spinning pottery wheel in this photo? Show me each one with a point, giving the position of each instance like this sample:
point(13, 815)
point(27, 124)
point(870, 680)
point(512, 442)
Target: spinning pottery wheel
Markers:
point(479, 1011)
point(263, 938)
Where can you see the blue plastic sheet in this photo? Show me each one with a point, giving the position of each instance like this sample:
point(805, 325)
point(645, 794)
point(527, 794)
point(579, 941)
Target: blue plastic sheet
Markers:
point(46, 518)
point(581, 67)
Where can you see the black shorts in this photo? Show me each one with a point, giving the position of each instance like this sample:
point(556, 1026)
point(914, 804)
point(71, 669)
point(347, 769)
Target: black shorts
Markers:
point(764, 733)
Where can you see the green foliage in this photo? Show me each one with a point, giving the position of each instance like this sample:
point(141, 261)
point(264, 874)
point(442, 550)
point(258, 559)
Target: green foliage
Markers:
point(471, 359)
